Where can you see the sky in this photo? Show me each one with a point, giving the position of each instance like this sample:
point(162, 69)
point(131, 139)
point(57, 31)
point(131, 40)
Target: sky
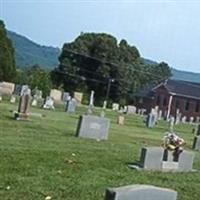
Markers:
point(162, 30)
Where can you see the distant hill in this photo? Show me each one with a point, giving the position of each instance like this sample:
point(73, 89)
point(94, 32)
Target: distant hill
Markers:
point(29, 53)
point(178, 74)
point(186, 76)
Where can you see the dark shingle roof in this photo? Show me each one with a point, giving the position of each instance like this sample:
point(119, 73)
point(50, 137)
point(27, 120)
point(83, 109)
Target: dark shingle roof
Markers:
point(183, 88)
point(177, 87)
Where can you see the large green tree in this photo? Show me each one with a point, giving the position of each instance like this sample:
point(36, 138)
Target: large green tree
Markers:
point(7, 57)
point(93, 59)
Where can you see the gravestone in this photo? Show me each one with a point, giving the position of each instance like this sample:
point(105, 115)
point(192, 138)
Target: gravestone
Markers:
point(197, 120)
point(91, 103)
point(93, 127)
point(66, 96)
point(178, 117)
point(151, 120)
point(196, 143)
point(160, 113)
point(198, 130)
point(151, 158)
point(71, 108)
point(49, 103)
point(56, 95)
point(183, 119)
point(191, 120)
point(13, 99)
point(140, 192)
point(171, 123)
point(24, 105)
point(185, 161)
point(0, 98)
point(78, 96)
point(131, 109)
point(115, 106)
point(34, 102)
point(7, 88)
point(121, 120)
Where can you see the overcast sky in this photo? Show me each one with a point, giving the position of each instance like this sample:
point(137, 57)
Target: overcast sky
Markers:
point(162, 30)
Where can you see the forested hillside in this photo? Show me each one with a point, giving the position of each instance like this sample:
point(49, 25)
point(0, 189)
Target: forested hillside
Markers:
point(28, 53)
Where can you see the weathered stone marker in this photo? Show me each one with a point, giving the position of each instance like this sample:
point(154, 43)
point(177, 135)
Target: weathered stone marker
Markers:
point(140, 192)
point(185, 161)
point(196, 143)
point(151, 158)
point(24, 105)
point(93, 127)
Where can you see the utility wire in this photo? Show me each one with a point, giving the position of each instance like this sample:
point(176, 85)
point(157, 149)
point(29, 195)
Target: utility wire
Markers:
point(112, 64)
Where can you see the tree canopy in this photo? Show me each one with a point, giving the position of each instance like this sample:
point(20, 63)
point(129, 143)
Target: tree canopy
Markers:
point(93, 58)
point(7, 56)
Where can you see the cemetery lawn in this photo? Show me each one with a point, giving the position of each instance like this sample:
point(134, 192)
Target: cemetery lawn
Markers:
point(42, 157)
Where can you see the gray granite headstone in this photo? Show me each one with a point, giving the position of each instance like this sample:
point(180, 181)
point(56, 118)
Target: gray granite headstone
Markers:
point(151, 120)
point(66, 96)
point(140, 192)
point(131, 109)
point(196, 143)
point(71, 108)
point(93, 127)
point(185, 162)
point(151, 158)
point(198, 130)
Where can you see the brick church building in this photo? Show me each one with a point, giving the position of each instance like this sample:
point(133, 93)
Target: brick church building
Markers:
point(170, 96)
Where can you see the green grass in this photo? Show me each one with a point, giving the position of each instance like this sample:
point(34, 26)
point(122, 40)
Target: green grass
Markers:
point(34, 158)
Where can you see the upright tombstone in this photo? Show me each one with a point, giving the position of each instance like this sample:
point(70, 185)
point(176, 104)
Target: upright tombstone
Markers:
point(24, 105)
point(183, 119)
point(151, 158)
point(121, 120)
point(171, 123)
point(0, 97)
point(198, 130)
point(191, 120)
point(49, 103)
point(7, 88)
point(196, 143)
point(151, 120)
point(185, 161)
point(13, 99)
point(91, 103)
point(140, 192)
point(178, 117)
point(131, 109)
point(115, 106)
point(197, 120)
point(93, 127)
point(56, 95)
point(78, 96)
point(71, 108)
point(160, 114)
point(66, 96)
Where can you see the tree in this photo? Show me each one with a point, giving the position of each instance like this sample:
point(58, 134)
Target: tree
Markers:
point(93, 59)
point(7, 56)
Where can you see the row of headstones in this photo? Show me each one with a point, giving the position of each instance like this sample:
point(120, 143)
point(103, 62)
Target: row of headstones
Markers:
point(129, 109)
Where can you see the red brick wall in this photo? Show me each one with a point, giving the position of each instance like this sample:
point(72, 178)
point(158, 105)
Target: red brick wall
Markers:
point(161, 99)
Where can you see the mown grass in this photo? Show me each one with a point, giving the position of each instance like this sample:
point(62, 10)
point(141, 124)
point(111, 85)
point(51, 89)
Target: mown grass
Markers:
point(42, 157)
